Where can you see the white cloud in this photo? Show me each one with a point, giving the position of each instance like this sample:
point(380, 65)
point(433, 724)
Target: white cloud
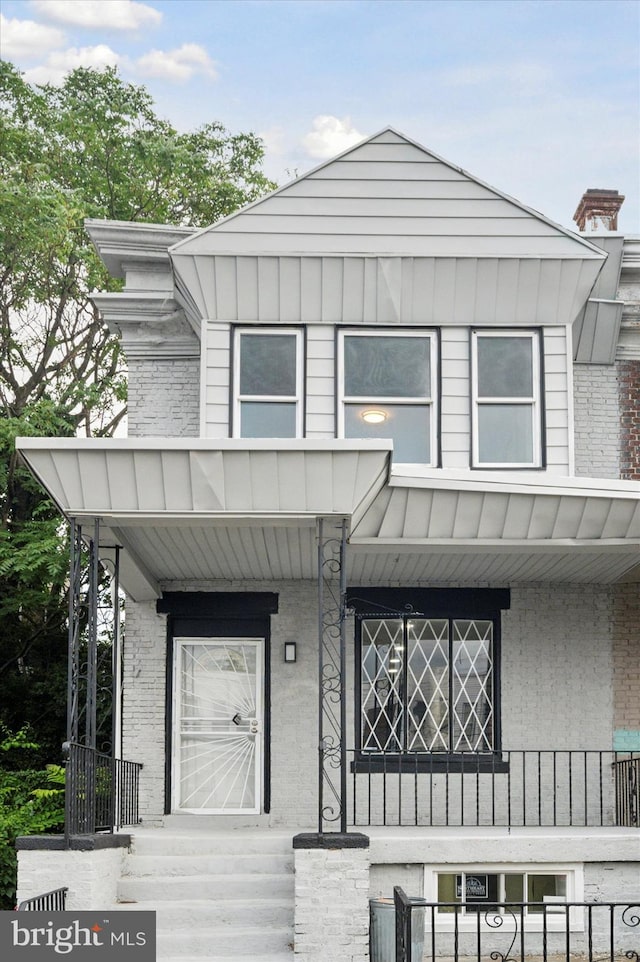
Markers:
point(27, 39)
point(179, 64)
point(59, 63)
point(104, 14)
point(330, 136)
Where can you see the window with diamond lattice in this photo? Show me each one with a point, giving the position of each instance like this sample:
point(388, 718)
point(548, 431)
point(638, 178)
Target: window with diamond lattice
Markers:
point(426, 684)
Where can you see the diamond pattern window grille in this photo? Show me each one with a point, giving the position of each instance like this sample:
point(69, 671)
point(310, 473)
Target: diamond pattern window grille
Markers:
point(427, 685)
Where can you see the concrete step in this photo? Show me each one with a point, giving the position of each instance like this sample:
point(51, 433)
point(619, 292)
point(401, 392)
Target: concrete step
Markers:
point(286, 956)
point(216, 942)
point(152, 888)
point(169, 865)
point(204, 913)
point(162, 842)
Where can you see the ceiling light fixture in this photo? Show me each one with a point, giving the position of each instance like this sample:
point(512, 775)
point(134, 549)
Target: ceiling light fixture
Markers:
point(374, 416)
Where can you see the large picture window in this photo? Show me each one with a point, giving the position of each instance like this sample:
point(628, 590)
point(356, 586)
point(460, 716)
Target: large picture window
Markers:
point(507, 414)
point(426, 684)
point(268, 383)
point(388, 391)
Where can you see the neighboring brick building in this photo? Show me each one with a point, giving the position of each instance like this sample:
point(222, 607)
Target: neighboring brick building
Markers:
point(379, 525)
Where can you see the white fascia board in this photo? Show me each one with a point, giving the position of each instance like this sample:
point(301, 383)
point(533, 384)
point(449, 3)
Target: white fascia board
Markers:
point(515, 546)
point(520, 483)
point(204, 444)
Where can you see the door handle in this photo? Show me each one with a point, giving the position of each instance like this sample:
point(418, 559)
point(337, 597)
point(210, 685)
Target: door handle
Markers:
point(237, 718)
point(254, 726)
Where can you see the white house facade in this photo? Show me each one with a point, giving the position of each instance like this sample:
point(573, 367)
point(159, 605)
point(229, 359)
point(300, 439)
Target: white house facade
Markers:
point(377, 518)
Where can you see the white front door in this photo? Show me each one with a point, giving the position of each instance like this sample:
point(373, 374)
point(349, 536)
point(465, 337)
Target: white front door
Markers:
point(218, 725)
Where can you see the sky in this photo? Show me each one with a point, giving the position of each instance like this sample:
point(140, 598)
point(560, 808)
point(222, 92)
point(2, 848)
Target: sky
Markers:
point(538, 98)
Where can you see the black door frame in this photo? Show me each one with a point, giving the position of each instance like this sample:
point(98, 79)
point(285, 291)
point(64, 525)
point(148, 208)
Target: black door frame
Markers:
point(211, 614)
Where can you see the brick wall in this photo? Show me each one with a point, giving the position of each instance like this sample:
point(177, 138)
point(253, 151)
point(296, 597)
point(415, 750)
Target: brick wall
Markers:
point(626, 667)
point(626, 645)
point(556, 672)
point(332, 905)
point(91, 876)
point(597, 433)
point(164, 397)
point(143, 702)
point(629, 391)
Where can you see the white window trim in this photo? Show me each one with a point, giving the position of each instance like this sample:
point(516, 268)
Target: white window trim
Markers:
point(431, 402)
point(534, 401)
point(296, 398)
point(574, 872)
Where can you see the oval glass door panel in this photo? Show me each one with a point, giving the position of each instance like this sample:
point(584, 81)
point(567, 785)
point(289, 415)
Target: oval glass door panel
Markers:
point(219, 725)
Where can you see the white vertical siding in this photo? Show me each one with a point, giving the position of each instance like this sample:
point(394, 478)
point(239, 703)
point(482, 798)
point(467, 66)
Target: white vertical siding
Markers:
point(456, 392)
point(320, 382)
point(556, 382)
point(216, 380)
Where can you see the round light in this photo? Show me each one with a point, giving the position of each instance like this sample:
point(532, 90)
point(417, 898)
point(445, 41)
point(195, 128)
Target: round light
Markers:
point(374, 417)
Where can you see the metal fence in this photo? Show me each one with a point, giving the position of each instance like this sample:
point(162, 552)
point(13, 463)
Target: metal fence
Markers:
point(627, 774)
point(54, 901)
point(101, 792)
point(506, 788)
point(519, 931)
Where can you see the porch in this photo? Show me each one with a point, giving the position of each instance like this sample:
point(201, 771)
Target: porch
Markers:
point(513, 774)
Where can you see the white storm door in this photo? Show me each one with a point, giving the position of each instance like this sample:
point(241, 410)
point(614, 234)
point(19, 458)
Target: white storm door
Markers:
point(218, 729)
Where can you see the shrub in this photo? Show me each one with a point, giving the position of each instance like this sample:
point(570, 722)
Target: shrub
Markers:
point(31, 802)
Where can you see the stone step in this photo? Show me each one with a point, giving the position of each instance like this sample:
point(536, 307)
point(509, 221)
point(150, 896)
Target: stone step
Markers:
point(204, 913)
point(173, 865)
point(173, 888)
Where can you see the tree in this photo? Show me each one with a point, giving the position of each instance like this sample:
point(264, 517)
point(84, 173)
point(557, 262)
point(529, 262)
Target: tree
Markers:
point(92, 147)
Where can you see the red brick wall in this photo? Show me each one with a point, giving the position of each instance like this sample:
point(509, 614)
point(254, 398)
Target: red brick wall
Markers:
point(629, 388)
point(626, 624)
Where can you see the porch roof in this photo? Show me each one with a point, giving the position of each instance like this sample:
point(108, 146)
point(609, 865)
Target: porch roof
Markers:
point(192, 510)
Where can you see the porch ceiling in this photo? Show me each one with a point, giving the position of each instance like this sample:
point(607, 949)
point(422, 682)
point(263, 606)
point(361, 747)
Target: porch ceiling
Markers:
point(187, 510)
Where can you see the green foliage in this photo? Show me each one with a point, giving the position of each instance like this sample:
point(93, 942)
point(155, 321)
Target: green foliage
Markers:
point(31, 802)
point(91, 147)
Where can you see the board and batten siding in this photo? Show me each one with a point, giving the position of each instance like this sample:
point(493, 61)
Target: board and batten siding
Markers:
point(378, 289)
point(455, 399)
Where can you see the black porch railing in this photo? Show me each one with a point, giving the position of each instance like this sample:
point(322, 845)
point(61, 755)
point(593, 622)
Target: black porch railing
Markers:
point(507, 788)
point(519, 931)
point(101, 793)
point(627, 771)
point(54, 901)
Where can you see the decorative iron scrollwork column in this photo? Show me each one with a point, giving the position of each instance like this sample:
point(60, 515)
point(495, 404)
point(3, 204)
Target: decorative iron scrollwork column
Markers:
point(94, 642)
point(332, 755)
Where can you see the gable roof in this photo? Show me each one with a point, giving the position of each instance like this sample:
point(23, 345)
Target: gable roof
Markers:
point(388, 196)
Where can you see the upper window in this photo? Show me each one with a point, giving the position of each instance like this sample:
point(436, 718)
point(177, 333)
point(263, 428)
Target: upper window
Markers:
point(268, 383)
point(506, 410)
point(387, 390)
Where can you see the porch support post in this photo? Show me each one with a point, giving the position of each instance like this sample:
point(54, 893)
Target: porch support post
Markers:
point(73, 654)
point(92, 638)
point(332, 749)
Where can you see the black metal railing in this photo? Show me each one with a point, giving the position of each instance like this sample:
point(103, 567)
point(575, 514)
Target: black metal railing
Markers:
point(101, 793)
point(627, 774)
point(507, 788)
point(405, 922)
point(54, 901)
point(519, 931)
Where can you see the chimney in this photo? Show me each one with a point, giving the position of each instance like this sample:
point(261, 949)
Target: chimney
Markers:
point(598, 210)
